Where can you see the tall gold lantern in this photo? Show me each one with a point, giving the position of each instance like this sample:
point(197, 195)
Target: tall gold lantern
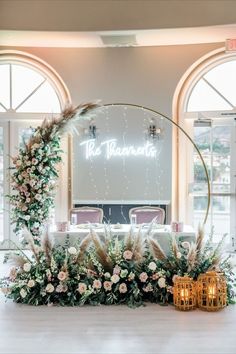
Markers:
point(184, 292)
point(211, 291)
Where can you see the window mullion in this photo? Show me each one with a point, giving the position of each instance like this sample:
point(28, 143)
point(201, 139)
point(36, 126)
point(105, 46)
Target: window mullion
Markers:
point(31, 94)
point(218, 92)
point(10, 73)
point(1, 104)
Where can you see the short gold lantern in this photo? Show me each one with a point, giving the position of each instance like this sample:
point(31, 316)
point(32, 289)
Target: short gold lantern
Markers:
point(211, 291)
point(184, 291)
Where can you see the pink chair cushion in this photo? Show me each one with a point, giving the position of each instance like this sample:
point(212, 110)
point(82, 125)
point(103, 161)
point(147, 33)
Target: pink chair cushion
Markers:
point(87, 216)
point(146, 216)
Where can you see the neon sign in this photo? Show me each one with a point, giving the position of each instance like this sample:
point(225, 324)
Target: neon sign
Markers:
point(111, 149)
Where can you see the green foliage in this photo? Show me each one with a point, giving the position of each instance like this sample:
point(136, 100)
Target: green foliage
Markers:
point(57, 275)
point(34, 171)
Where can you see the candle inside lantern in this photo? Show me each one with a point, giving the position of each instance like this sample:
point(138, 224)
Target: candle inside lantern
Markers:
point(211, 291)
point(184, 294)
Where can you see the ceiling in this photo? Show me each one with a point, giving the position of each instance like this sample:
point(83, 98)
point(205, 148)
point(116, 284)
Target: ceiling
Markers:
point(131, 38)
point(115, 23)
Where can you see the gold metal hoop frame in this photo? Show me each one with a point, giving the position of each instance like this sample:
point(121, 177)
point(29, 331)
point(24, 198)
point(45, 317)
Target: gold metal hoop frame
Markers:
point(121, 104)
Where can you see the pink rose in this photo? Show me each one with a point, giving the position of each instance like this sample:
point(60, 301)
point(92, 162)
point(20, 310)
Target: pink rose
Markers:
point(122, 288)
point(82, 288)
point(155, 276)
point(107, 285)
point(143, 277)
point(128, 255)
point(116, 270)
point(97, 284)
point(62, 276)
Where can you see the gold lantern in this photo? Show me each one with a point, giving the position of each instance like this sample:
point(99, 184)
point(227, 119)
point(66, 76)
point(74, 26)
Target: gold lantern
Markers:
point(211, 291)
point(184, 291)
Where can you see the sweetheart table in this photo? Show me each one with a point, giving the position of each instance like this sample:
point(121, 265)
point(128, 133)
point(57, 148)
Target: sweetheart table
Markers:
point(162, 233)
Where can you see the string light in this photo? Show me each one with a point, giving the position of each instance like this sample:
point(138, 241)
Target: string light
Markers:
point(107, 130)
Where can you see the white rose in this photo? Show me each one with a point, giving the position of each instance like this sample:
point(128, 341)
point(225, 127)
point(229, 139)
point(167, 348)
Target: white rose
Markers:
point(152, 266)
point(161, 282)
point(49, 288)
point(23, 293)
point(31, 283)
point(115, 278)
point(27, 217)
point(72, 250)
point(107, 275)
point(38, 197)
point(27, 267)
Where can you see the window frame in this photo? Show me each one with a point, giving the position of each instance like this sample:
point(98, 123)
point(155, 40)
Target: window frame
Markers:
point(183, 91)
point(11, 121)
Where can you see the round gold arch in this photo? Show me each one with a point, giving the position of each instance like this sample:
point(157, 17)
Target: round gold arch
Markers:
point(122, 104)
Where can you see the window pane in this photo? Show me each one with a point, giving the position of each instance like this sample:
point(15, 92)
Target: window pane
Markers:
point(1, 184)
point(223, 78)
point(24, 81)
point(5, 86)
point(204, 98)
point(24, 135)
point(202, 138)
point(221, 137)
point(218, 218)
point(44, 100)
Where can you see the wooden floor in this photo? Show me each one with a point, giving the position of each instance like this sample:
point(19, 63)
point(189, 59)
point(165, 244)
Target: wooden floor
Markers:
point(114, 330)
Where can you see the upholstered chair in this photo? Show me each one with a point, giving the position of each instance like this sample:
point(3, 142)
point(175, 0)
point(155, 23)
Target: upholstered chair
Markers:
point(87, 215)
point(146, 214)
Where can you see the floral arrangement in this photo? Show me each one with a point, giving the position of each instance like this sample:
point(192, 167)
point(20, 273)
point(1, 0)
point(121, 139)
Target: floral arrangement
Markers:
point(95, 271)
point(107, 270)
point(34, 171)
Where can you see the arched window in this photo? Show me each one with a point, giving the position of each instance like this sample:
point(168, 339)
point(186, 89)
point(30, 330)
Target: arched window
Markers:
point(24, 89)
point(208, 111)
point(30, 90)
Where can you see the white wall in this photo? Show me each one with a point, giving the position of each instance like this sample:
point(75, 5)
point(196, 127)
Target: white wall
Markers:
point(146, 76)
point(145, 177)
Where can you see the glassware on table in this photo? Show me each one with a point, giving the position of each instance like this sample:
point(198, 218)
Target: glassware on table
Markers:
point(73, 219)
point(133, 219)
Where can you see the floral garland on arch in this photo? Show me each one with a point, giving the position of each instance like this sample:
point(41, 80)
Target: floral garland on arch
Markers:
point(35, 171)
point(109, 271)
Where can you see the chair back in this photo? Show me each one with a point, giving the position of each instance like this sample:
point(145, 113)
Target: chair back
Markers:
point(87, 215)
point(146, 214)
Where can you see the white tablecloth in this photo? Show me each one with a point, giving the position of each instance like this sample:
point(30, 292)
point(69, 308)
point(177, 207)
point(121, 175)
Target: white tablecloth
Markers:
point(162, 234)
